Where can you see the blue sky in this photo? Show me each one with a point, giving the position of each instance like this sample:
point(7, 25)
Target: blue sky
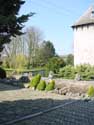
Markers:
point(54, 18)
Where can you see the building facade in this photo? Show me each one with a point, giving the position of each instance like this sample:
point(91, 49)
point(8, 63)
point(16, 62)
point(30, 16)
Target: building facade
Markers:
point(84, 38)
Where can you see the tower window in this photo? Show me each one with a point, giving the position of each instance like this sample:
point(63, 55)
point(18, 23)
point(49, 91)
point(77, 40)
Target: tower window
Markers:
point(92, 14)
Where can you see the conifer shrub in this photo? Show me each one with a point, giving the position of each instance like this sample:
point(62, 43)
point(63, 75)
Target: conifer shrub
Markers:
point(52, 82)
point(35, 81)
point(2, 73)
point(85, 71)
point(41, 85)
point(90, 91)
point(68, 72)
point(50, 86)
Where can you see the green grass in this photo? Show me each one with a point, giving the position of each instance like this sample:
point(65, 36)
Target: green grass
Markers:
point(24, 70)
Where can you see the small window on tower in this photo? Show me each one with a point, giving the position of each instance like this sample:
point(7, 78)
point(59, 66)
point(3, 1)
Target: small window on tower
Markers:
point(92, 14)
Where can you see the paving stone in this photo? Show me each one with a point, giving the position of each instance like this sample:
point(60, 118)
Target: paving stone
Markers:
point(67, 116)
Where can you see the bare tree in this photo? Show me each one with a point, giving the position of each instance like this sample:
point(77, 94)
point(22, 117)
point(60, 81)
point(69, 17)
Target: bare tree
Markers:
point(13, 49)
point(33, 39)
point(27, 45)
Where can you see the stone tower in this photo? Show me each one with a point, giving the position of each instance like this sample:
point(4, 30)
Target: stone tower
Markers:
point(84, 38)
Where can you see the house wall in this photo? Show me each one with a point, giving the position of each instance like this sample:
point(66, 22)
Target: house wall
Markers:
point(84, 45)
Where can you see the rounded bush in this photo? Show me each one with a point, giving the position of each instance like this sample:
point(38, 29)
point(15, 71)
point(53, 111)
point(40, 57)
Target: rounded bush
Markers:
point(50, 86)
point(90, 91)
point(2, 73)
point(34, 82)
point(52, 82)
point(41, 85)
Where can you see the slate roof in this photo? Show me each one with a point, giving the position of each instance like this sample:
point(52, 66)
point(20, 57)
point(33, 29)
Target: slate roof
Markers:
point(86, 19)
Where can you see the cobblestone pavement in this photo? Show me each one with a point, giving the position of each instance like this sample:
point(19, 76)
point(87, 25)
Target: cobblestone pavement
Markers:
point(15, 103)
point(80, 113)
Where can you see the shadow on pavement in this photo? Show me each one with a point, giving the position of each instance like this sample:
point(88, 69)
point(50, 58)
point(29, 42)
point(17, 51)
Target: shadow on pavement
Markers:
point(78, 113)
point(5, 87)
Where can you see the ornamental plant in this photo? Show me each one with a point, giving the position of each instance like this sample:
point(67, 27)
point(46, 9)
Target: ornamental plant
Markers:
point(50, 86)
point(90, 91)
point(35, 81)
point(41, 85)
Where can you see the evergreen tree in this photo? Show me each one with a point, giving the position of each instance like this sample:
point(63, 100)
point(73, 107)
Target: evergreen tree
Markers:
point(10, 23)
point(45, 52)
point(70, 59)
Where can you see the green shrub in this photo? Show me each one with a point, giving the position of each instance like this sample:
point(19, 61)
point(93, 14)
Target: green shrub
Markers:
point(86, 71)
point(54, 64)
point(68, 72)
point(2, 73)
point(52, 82)
point(50, 86)
point(34, 82)
point(90, 91)
point(41, 85)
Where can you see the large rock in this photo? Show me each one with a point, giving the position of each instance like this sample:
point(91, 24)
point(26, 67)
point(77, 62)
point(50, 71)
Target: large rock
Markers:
point(64, 91)
point(77, 77)
point(24, 79)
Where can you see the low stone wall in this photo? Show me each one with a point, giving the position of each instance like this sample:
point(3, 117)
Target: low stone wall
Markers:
point(60, 81)
point(64, 86)
point(72, 86)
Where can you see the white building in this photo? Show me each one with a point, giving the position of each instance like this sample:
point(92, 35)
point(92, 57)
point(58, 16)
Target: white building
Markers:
point(84, 38)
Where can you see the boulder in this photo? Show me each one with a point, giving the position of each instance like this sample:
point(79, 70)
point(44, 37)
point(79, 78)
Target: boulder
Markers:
point(24, 79)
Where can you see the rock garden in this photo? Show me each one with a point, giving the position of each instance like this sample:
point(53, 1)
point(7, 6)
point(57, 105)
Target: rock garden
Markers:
point(55, 85)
